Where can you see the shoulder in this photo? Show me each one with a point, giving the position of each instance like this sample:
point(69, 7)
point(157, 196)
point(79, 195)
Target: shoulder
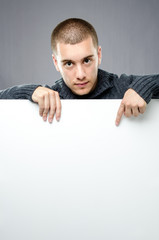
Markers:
point(104, 75)
point(58, 85)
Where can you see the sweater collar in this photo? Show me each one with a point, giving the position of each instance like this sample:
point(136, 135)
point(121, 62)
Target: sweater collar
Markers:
point(104, 82)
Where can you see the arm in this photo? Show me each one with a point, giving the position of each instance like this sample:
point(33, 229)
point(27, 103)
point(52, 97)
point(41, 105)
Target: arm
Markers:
point(140, 91)
point(48, 100)
point(18, 92)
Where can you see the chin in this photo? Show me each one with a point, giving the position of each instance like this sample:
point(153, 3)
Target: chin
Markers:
point(82, 92)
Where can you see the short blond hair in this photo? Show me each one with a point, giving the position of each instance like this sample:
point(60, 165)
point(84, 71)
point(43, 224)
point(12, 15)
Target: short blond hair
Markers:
point(73, 31)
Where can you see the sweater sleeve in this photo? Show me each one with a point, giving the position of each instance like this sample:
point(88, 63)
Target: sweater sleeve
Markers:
point(146, 86)
point(18, 92)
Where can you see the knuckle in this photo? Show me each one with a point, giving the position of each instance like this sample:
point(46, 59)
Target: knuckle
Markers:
point(141, 105)
point(46, 94)
point(58, 114)
point(122, 102)
point(128, 104)
point(41, 97)
point(41, 104)
point(41, 109)
point(59, 108)
point(57, 94)
point(46, 110)
point(134, 105)
point(141, 111)
point(135, 114)
point(52, 93)
point(127, 114)
point(51, 115)
point(40, 113)
point(53, 109)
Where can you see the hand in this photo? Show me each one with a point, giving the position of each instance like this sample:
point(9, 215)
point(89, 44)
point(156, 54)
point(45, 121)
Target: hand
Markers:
point(131, 105)
point(49, 102)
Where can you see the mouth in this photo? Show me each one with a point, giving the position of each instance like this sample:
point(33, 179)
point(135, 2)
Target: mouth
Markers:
point(81, 85)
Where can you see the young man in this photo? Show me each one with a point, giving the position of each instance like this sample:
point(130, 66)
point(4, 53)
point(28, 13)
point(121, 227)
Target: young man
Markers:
point(77, 56)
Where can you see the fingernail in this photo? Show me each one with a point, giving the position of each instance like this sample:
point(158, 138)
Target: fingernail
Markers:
point(116, 123)
point(50, 120)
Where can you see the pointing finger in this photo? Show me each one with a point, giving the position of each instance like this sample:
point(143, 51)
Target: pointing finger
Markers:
point(119, 114)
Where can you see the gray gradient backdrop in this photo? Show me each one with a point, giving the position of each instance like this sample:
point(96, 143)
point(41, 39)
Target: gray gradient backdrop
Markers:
point(128, 32)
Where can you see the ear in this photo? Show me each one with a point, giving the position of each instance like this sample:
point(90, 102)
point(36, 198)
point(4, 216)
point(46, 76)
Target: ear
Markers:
point(55, 62)
point(99, 55)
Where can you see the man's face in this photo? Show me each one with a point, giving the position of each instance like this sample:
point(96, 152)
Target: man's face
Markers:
point(78, 65)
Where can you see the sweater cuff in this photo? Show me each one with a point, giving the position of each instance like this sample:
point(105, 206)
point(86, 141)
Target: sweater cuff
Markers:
point(25, 91)
point(32, 91)
point(145, 86)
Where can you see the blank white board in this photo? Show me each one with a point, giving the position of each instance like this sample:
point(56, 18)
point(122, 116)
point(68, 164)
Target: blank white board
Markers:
point(80, 178)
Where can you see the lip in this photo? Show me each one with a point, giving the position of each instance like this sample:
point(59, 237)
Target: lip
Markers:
point(81, 84)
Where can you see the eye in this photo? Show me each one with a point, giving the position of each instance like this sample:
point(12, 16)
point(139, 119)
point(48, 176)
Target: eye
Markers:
point(87, 60)
point(68, 64)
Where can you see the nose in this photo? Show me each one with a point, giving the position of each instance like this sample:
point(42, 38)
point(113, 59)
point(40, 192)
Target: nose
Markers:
point(80, 72)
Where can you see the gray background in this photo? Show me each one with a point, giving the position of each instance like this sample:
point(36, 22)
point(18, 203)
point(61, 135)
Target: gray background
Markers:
point(128, 33)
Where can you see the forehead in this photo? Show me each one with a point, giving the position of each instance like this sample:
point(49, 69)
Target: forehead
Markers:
point(77, 51)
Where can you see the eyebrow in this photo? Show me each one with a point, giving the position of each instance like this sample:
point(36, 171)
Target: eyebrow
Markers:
point(69, 60)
